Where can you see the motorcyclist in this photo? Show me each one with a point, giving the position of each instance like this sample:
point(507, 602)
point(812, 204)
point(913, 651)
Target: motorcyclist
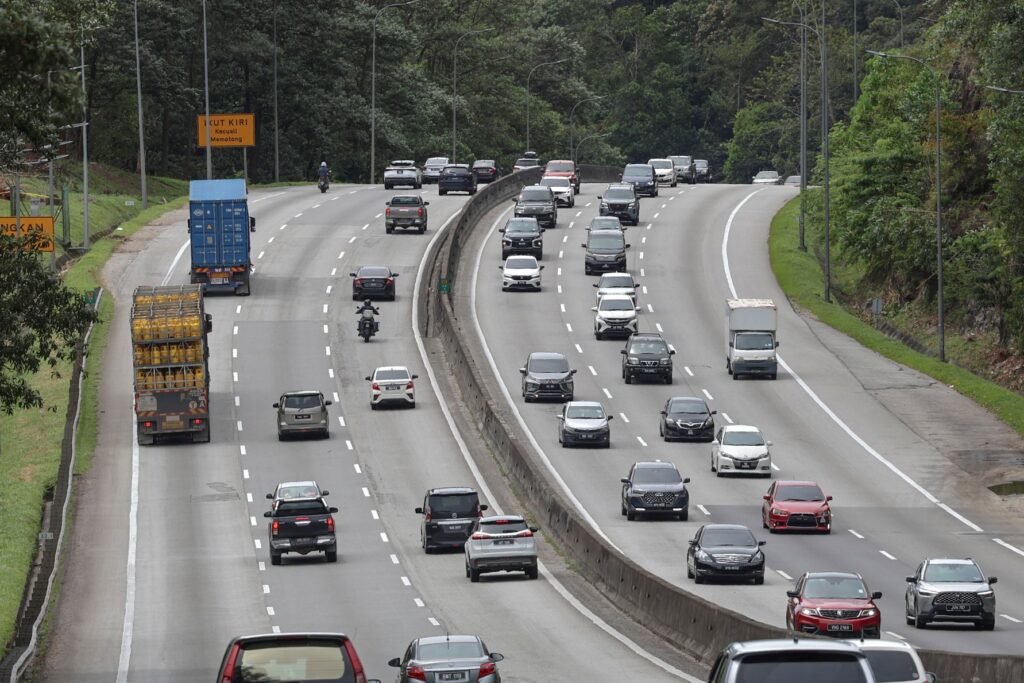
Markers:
point(324, 173)
point(366, 312)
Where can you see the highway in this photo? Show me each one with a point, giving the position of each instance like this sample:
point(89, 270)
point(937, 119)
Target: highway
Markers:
point(167, 557)
point(885, 441)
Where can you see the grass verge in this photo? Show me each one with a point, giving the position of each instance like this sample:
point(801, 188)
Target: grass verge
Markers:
point(800, 276)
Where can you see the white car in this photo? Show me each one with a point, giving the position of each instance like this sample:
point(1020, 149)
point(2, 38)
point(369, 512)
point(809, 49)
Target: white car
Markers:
point(502, 543)
point(392, 384)
point(616, 283)
point(403, 172)
point(664, 171)
point(894, 661)
point(740, 449)
point(562, 189)
point(767, 178)
point(521, 272)
point(615, 315)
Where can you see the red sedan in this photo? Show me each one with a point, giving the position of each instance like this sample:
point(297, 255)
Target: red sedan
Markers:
point(561, 168)
point(833, 604)
point(796, 505)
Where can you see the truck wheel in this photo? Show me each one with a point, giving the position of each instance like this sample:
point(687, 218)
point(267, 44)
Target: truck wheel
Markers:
point(423, 229)
point(275, 558)
point(242, 290)
point(331, 555)
point(442, 192)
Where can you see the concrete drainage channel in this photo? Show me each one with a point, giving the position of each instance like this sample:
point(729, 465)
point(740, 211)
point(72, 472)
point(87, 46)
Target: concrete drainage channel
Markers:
point(688, 621)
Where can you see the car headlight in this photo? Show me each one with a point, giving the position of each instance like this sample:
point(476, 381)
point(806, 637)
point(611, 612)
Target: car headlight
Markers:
point(868, 612)
point(538, 242)
point(531, 384)
point(632, 205)
point(506, 241)
point(604, 205)
point(925, 594)
point(986, 594)
point(757, 557)
point(779, 513)
point(808, 611)
point(665, 361)
point(632, 361)
point(702, 556)
point(710, 420)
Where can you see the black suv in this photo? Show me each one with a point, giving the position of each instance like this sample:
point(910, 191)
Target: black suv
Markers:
point(642, 178)
point(655, 488)
point(621, 201)
point(647, 355)
point(449, 514)
point(537, 201)
point(547, 375)
point(522, 236)
point(687, 417)
point(456, 178)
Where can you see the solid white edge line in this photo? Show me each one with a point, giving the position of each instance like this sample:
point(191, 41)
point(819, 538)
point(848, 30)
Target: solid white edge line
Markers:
point(128, 624)
point(821, 404)
point(1009, 618)
point(478, 477)
point(174, 263)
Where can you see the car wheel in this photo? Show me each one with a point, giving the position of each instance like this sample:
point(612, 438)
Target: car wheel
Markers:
point(474, 575)
point(467, 569)
point(774, 375)
point(532, 572)
point(373, 406)
point(417, 186)
point(764, 522)
point(988, 625)
point(684, 515)
point(689, 572)
point(598, 336)
point(628, 377)
point(331, 555)
point(280, 436)
point(697, 578)
point(389, 230)
point(713, 469)
point(326, 434)
point(919, 621)
point(442, 192)
point(422, 229)
point(275, 558)
point(909, 617)
point(630, 515)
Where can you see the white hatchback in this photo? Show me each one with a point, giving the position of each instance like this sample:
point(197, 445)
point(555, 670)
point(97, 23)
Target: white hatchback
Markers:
point(521, 272)
point(740, 449)
point(392, 384)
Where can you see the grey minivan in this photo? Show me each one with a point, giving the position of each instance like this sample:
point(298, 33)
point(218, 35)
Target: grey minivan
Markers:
point(606, 251)
point(302, 412)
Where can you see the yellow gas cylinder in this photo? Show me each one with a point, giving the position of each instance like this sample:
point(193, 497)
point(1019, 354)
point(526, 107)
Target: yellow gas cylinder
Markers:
point(175, 353)
point(199, 376)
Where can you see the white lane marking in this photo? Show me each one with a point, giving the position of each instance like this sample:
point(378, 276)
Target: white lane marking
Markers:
point(238, 309)
point(257, 543)
point(727, 418)
point(775, 467)
point(418, 602)
point(568, 327)
point(270, 240)
point(268, 196)
point(245, 474)
point(348, 444)
point(298, 214)
point(270, 610)
point(377, 216)
point(341, 254)
point(1009, 547)
point(860, 536)
point(262, 566)
point(394, 559)
point(266, 589)
point(275, 628)
point(285, 225)
point(433, 621)
point(317, 206)
point(329, 287)
point(478, 477)
point(252, 520)
point(383, 537)
point(326, 306)
point(658, 327)
point(887, 554)
point(579, 348)
point(710, 397)
point(592, 370)
point(235, 330)
point(641, 256)
point(655, 216)
point(330, 371)
point(650, 308)
point(561, 253)
point(260, 255)
point(559, 289)
point(642, 273)
point(238, 402)
point(327, 330)
point(640, 439)
point(894, 635)
point(353, 239)
point(688, 370)
point(327, 349)
point(664, 205)
point(365, 226)
point(644, 289)
point(643, 240)
point(784, 575)
point(234, 376)
point(562, 307)
point(588, 204)
point(624, 418)
point(248, 497)
point(704, 510)
point(341, 420)
point(1009, 618)
point(672, 198)
point(234, 353)
point(357, 468)
point(821, 404)
point(578, 214)
point(167, 278)
point(239, 423)
point(353, 191)
point(335, 198)
point(572, 223)
point(334, 271)
point(406, 581)
point(648, 226)
point(565, 238)
point(374, 514)
point(128, 622)
point(606, 392)
point(366, 492)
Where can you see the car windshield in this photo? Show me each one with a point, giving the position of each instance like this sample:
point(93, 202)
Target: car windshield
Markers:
point(768, 175)
point(701, 163)
point(299, 508)
point(681, 161)
point(437, 161)
point(483, 163)
point(521, 263)
point(455, 504)
point(456, 170)
point(585, 412)
point(891, 666)
point(610, 304)
point(692, 407)
point(406, 200)
point(535, 195)
point(549, 365)
point(519, 225)
point(618, 194)
point(302, 401)
point(555, 182)
point(837, 587)
point(649, 346)
point(754, 341)
point(374, 271)
point(559, 167)
point(606, 241)
point(400, 373)
point(660, 163)
point(503, 526)
point(297, 491)
point(740, 538)
point(656, 475)
point(287, 662)
point(527, 162)
point(616, 281)
point(799, 492)
point(637, 171)
point(791, 667)
point(738, 438)
point(605, 223)
point(938, 572)
point(439, 652)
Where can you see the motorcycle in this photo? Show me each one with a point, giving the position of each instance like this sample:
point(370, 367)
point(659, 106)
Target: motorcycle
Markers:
point(367, 327)
point(323, 185)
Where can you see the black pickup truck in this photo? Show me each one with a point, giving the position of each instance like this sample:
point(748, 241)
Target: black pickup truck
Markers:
point(301, 525)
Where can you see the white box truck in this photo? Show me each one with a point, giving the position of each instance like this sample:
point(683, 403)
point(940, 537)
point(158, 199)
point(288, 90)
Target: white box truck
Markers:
point(750, 337)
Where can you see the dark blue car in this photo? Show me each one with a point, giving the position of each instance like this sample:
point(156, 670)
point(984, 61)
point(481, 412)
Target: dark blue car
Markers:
point(456, 178)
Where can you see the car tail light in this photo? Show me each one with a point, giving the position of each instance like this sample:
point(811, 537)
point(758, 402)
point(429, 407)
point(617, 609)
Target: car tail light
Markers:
point(228, 672)
point(357, 665)
point(387, 212)
point(275, 527)
point(479, 512)
point(525, 534)
point(408, 387)
point(390, 281)
point(416, 673)
point(486, 669)
point(358, 282)
point(330, 524)
point(375, 386)
point(147, 424)
point(480, 536)
point(429, 516)
point(197, 421)
point(419, 212)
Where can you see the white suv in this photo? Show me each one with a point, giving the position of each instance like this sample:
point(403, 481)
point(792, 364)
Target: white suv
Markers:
point(615, 315)
point(392, 384)
point(501, 543)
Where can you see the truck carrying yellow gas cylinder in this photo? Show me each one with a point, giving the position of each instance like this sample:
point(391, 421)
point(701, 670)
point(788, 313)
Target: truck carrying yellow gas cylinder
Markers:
point(169, 353)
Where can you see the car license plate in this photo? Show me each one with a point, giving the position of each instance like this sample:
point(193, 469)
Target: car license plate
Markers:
point(455, 529)
point(840, 627)
point(453, 676)
point(730, 568)
point(689, 431)
point(302, 417)
point(373, 285)
point(218, 279)
point(503, 541)
point(173, 420)
point(305, 540)
point(745, 465)
point(395, 387)
point(958, 608)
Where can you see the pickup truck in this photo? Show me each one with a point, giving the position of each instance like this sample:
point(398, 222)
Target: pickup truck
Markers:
point(406, 211)
point(403, 172)
point(301, 525)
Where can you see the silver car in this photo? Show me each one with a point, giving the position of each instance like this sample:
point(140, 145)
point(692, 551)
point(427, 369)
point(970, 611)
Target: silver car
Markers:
point(664, 171)
point(437, 659)
point(767, 178)
point(392, 384)
point(562, 189)
point(741, 449)
point(432, 168)
point(501, 543)
point(302, 412)
point(288, 490)
point(950, 590)
point(584, 423)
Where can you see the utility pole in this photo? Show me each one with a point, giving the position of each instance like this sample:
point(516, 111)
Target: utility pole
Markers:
point(85, 152)
point(277, 155)
point(206, 89)
point(138, 96)
point(856, 55)
point(803, 124)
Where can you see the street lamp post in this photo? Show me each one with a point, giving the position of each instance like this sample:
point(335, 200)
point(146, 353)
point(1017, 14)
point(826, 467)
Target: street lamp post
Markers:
point(373, 89)
point(455, 76)
point(802, 7)
point(206, 90)
point(576, 152)
point(824, 142)
point(277, 155)
point(938, 191)
point(899, 8)
point(573, 111)
point(855, 82)
point(138, 96)
point(528, 77)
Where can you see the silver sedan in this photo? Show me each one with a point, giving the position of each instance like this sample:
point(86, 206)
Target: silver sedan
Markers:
point(434, 659)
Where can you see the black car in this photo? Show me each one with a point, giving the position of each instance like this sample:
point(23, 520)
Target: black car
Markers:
point(486, 170)
point(547, 375)
point(537, 201)
point(647, 356)
point(606, 252)
point(620, 201)
point(725, 551)
point(687, 418)
point(373, 282)
point(642, 178)
point(449, 514)
point(655, 488)
point(522, 236)
point(703, 170)
point(456, 178)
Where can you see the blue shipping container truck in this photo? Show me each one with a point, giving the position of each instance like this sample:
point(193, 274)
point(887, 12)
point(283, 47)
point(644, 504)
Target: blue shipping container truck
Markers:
point(219, 226)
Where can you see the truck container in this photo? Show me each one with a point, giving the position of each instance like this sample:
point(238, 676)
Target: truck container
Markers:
point(219, 225)
point(750, 337)
point(169, 347)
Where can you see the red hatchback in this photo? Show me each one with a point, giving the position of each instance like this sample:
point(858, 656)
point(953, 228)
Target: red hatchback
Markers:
point(833, 604)
point(796, 505)
point(561, 168)
point(328, 657)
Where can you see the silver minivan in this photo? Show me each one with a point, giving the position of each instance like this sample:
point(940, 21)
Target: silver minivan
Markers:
point(302, 412)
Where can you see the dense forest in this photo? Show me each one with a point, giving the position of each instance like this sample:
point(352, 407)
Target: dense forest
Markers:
point(632, 79)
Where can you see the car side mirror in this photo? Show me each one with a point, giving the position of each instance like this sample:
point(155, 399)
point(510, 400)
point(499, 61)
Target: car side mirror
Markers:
point(776, 344)
point(270, 496)
point(730, 345)
point(992, 580)
point(686, 480)
point(534, 529)
point(522, 371)
point(501, 229)
point(543, 229)
point(792, 594)
point(560, 417)
point(693, 541)
point(622, 351)
point(596, 285)
point(497, 656)
point(911, 579)
point(415, 376)
point(609, 417)
point(419, 511)
point(542, 267)
point(332, 510)
point(484, 507)
point(395, 274)
point(328, 403)
point(624, 480)
point(766, 497)
point(268, 513)
point(583, 244)
point(387, 203)
point(368, 378)
point(761, 543)
point(276, 405)
point(827, 498)
point(598, 196)
point(664, 412)
point(671, 352)
point(325, 492)
point(714, 442)
point(877, 595)
point(395, 662)
point(573, 371)
point(351, 274)
point(426, 203)
point(593, 308)
point(628, 246)
point(714, 412)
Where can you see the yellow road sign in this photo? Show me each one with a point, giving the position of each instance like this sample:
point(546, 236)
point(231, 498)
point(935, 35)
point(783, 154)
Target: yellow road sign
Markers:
point(228, 130)
point(40, 227)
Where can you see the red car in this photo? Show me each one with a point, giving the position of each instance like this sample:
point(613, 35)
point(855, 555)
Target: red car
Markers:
point(561, 168)
point(292, 656)
point(796, 505)
point(833, 604)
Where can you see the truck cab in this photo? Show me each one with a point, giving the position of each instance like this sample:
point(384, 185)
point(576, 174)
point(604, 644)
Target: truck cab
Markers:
point(751, 338)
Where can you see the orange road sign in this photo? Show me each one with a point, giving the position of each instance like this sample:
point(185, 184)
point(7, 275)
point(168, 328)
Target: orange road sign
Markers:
point(228, 130)
point(40, 227)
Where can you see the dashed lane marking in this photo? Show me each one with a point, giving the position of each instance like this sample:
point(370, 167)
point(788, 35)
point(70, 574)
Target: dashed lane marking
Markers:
point(374, 514)
point(592, 370)
point(433, 621)
point(353, 239)
point(394, 559)
point(366, 492)
point(357, 468)
point(606, 392)
point(341, 254)
point(384, 537)
point(260, 255)
point(270, 610)
point(406, 581)
point(704, 510)
point(642, 442)
point(252, 520)
point(348, 444)
point(418, 602)
point(1009, 547)
point(784, 575)
point(568, 327)
point(1009, 618)
point(239, 423)
point(650, 308)
point(727, 418)
point(341, 419)
point(579, 348)
point(860, 536)
point(658, 327)
point(688, 370)
point(710, 397)
point(328, 350)
point(266, 589)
